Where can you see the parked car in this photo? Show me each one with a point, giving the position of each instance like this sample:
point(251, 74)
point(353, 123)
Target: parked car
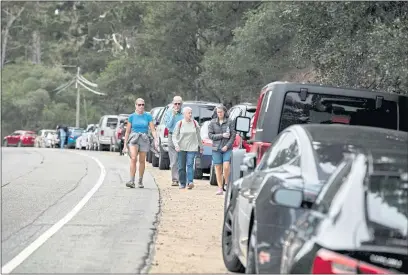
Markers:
point(359, 221)
point(92, 139)
point(156, 113)
point(48, 139)
point(202, 111)
point(40, 138)
point(203, 163)
point(73, 134)
point(301, 157)
point(282, 104)
point(20, 138)
point(107, 126)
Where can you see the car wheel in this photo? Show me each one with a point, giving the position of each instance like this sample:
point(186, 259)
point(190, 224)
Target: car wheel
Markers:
point(5, 143)
point(251, 258)
point(213, 176)
point(19, 144)
point(155, 161)
point(163, 163)
point(198, 174)
point(231, 261)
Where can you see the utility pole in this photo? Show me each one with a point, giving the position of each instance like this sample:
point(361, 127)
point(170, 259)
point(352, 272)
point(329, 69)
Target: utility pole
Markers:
point(78, 101)
point(78, 80)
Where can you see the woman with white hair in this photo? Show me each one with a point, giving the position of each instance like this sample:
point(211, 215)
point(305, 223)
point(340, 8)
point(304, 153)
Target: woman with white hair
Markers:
point(187, 142)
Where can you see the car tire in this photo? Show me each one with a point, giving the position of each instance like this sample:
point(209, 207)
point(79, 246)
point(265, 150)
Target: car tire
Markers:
point(198, 174)
point(231, 261)
point(251, 255)
point(5, 143)
point(155, 161)
point(213, 176)
point(163, 163)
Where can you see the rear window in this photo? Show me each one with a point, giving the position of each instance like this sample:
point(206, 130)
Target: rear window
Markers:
point(201, 113)
point(387, 210)
point(112, 121)
point(330, 109)
point(29, 134)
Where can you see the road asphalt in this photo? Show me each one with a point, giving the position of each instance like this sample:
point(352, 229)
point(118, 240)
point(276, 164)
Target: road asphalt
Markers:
point(113, 231)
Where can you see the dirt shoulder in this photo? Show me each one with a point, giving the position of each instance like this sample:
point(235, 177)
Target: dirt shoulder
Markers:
point(189, 231)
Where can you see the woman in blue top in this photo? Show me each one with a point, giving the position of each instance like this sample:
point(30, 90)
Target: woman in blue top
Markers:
point(137, 138)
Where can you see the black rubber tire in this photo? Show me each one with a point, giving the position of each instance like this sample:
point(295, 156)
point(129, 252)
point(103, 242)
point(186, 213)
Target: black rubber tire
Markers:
point(155, 161)
point(213, 177)
point(198, 174)
point(163, 161)
point(231, 261)
point(251, 256)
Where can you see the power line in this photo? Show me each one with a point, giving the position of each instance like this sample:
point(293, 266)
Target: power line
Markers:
point(82, 81)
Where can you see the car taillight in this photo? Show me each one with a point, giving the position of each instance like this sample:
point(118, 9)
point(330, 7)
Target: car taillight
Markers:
point(207, 141)
point(328, 262)
point(166, 132)
point(102, 132)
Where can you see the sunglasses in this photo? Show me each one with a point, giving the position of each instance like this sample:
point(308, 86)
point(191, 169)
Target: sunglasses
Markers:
point(140, 104)
point(177, 103)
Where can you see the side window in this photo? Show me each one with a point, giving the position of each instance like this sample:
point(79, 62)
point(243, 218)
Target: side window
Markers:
point(286, 150)
point(324, 200)
point(265, 108)
point(16, 134)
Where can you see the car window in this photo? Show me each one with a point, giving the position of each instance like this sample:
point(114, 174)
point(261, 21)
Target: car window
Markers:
point(265, 108)
point(330, 109)
point(234, 113)
point(283, 151)
point(387, 209)
point(325, 198)
point(201, 113)
point(29, 134)
point(111, 121)
point(16, 134)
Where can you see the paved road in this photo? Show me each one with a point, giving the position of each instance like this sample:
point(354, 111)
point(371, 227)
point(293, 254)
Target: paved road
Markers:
point(110, 234)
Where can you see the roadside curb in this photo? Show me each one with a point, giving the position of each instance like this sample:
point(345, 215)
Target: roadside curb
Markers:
point(145, 267)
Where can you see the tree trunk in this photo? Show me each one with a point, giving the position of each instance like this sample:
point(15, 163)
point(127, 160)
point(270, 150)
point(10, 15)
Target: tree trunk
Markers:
point(11, 19)
point(36, 47)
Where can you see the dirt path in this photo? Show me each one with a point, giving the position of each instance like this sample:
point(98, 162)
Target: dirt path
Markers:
point(189, 231)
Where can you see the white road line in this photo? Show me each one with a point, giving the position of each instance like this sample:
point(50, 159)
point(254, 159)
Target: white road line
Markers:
point(23, 255)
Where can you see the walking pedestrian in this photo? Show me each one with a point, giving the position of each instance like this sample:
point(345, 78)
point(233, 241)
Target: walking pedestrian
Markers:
point(187, 142)
point(222, 133)
point(62, 136)
point(173, 116)
point(137, 138)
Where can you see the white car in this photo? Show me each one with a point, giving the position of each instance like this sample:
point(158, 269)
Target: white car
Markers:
point(81, 141)
point(107, 125)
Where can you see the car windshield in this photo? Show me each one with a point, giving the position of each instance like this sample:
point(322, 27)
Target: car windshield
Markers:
point(387, 210)
point(330, 109)
point(201, 113)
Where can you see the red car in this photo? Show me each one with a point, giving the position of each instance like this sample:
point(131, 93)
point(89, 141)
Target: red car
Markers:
point(20, 138)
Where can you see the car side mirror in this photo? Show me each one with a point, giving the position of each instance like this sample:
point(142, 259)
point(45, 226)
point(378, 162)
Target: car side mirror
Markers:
point(249, 162)
point(242, 124)
point(287, 197)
